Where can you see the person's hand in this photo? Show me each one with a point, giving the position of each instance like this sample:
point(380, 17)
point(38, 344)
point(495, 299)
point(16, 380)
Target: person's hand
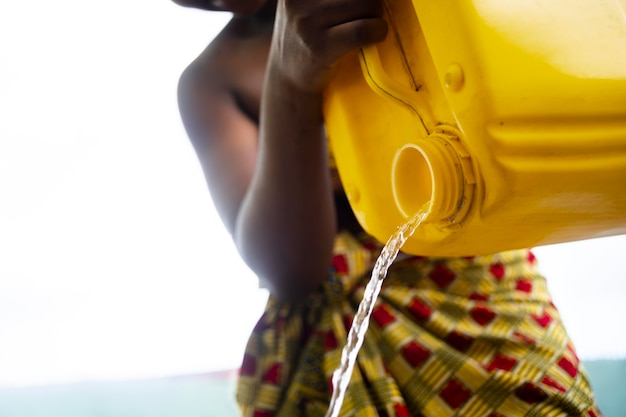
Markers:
point(197, 4)
point(310, 35)
point(246, 7)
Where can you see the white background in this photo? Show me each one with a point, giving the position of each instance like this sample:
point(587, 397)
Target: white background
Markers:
point(113, 263)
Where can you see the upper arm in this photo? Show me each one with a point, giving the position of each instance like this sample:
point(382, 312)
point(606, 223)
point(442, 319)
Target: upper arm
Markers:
point(224, 138)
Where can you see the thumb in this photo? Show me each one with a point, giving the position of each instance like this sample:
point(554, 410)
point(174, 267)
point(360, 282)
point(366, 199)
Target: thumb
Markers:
point(354, 34)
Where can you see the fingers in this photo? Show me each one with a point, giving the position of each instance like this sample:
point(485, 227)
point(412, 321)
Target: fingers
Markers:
point(335, 12)
point(332, 27)
point(198, 4)
point(350, 35)
point(311, 35)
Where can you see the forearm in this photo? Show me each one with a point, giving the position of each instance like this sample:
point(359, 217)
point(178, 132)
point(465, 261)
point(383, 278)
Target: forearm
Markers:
point(286, 224)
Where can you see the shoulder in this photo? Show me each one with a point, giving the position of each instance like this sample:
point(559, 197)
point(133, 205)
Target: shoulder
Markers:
point(210, 69)
point(231, 68)
point(237, 52)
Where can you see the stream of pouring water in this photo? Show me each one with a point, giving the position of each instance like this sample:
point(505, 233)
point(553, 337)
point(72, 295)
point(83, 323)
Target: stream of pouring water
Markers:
point(342, 375)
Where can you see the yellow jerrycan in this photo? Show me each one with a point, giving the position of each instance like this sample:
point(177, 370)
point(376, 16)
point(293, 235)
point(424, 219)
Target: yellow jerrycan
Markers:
point(506, 119)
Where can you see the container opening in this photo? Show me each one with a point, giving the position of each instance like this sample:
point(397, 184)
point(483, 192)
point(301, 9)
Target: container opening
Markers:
point(412, 180)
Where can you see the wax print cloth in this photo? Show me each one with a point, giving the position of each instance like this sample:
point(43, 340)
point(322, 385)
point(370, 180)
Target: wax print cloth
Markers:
point(475, 336)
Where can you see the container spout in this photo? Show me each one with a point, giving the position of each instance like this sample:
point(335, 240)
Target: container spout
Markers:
point(430, 171)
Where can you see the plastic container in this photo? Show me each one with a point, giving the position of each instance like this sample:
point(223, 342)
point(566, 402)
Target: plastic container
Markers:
point(507, 118)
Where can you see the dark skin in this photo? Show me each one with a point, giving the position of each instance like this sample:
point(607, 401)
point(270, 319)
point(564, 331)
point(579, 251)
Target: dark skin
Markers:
point(252, 106)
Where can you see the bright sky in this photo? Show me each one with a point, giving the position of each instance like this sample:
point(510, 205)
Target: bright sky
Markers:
point(113, 263)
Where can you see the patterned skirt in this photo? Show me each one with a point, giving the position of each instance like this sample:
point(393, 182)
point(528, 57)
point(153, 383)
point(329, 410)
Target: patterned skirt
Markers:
point(470, 337)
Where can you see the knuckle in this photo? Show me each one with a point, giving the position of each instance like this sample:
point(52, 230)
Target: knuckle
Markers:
point(309, 33)
point(369, 31)
point(374, 7)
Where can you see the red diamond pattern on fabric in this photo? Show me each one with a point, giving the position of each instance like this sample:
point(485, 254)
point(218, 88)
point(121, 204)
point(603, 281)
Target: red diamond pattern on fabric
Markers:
point(340, 264)
point(502, 362)
point(419, 310)
point(262, 413)
point(479, 297)
point(455, 393)
point(552, 383)
point(570, 347)
point(442, 276)
point(272, 375)
point(330, 341)
point(423, 355)
point(401, 410)
point(482, 315)
point(497, 270)
point(572, 350)
point(280, 324)
point(415, 354)
point(568, 366)
point(383, 316)
point(543, 320)
point(459, 341)
point(371, 246)
point(531, 257)
point(248, 366)
point(347, 322)
point(524, 338)
point(530, 393)
point(592, 413)
point(524, 285)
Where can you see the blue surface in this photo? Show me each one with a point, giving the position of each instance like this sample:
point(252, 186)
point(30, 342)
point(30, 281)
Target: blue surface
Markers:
point(171, 397)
